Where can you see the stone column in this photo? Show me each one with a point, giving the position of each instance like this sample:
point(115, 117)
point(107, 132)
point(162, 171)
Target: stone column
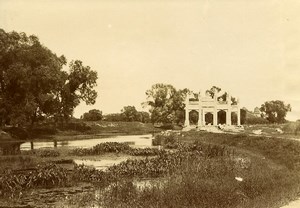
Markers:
point(238, 117)
point(215, 119)
point(203, 118)
point(228, 117)
point(199, 118)
point(187, 118)
point(199, 111)
point(228, 113)
point(238, 112)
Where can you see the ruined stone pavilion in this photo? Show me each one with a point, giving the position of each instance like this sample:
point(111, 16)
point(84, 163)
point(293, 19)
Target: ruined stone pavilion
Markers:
point(207, 106)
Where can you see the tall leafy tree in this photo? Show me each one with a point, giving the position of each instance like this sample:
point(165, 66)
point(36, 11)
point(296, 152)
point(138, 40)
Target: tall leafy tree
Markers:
point(33, 84)
point(129, 113)
point(275, 111)
point(29, 73)
point(78, 86)
point(166, 103)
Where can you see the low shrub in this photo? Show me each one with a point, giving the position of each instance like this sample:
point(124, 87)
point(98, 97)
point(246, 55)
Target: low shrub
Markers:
point(76, 126)
point(158, 140)
point(154, 167)
point(167, 162)
point(114, 147)
point(46, 176)
point(118, 194)
point(285, 152)
point(48, 153)
point(107, 147)
point(85, 174)
point(256, 120)
point(167, 126)
point(16, 162)
point(144, 152)
point(167, 139)
point(80, 152)
point(43, 152)
point(292, 127)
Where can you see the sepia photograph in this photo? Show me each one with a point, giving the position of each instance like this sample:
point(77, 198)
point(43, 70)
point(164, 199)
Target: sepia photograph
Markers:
point(149, 103)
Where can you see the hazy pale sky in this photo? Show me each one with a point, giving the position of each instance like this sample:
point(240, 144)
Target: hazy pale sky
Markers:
point(249, 48)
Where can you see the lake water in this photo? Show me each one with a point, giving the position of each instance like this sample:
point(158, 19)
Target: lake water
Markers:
point(137, 141)
point(101, 164)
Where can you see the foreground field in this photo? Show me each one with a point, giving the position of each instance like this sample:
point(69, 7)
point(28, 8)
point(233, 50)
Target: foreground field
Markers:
point(195, 169)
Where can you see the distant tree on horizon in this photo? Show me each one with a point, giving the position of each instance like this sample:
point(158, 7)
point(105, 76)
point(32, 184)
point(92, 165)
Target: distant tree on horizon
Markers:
point(128, 114)
point(93, 115)
point(275, 111)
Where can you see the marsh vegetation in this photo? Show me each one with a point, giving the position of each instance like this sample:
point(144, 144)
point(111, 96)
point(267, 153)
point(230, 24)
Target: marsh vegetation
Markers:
point(194, 169)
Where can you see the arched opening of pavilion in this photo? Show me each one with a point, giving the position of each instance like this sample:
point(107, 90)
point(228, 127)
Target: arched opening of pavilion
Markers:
point(209, 118)
point(193, 117)
point(221, 117)
point(234, 118)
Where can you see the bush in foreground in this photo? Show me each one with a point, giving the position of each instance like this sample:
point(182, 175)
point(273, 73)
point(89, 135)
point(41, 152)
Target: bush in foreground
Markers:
point(292, 127)
point(45, 176)
point(114, 147)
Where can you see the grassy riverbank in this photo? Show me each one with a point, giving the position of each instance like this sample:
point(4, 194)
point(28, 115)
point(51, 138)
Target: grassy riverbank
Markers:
point(199, 170)
point(78, 129)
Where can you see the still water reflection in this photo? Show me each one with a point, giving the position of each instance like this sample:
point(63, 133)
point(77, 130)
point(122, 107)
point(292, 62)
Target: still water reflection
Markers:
point(102, 164)
point(138, 141)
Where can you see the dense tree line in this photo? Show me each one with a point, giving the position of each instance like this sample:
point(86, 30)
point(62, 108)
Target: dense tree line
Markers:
point(128, 114)
point(167, 103)
point(167, 106)
point(36, 84)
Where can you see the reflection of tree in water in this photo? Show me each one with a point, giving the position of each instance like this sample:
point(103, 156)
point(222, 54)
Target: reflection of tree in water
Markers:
point(10, 140)
point(10, 148)
point(64, 143)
